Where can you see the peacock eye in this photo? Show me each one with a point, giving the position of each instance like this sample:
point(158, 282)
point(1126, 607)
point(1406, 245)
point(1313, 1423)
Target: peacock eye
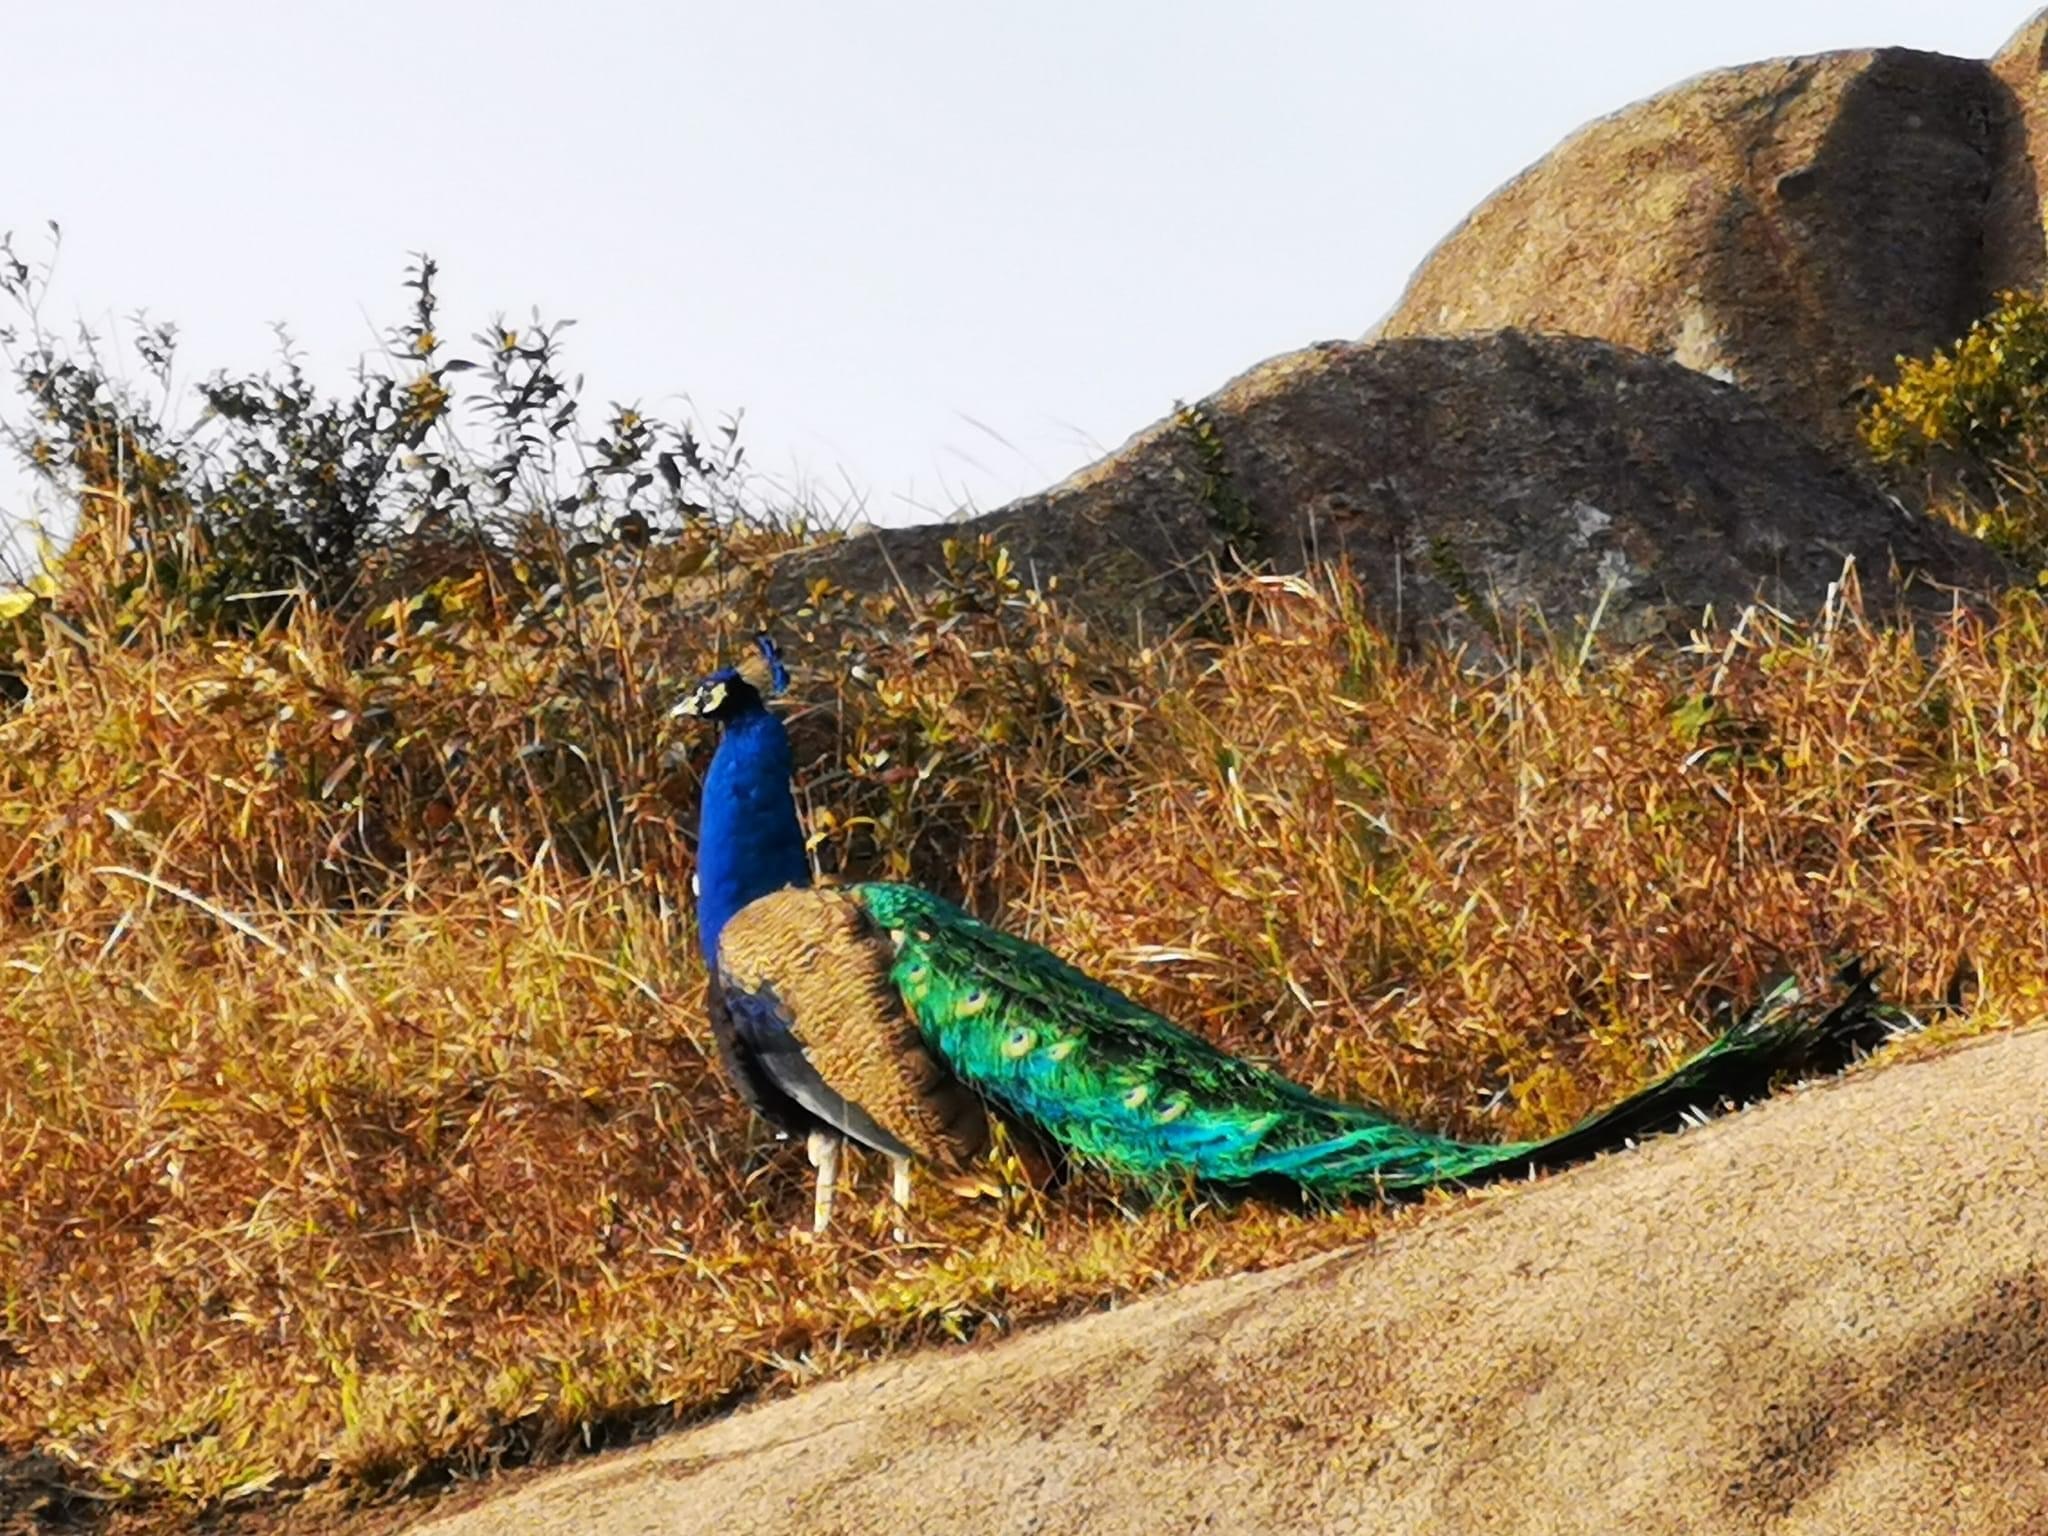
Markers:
point(1019, 1041)
point(1135, 1098)
point(973, 1002)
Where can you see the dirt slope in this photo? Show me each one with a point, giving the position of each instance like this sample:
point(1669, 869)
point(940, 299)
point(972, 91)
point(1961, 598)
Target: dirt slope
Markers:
point(1829, 1313)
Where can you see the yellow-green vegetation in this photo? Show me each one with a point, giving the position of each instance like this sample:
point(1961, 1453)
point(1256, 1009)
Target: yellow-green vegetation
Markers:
point(1975, 417)
point(358, 1119)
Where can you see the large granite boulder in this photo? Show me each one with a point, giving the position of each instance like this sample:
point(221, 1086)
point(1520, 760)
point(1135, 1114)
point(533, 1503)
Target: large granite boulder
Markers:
point(1475, 483)
point(1792, 225)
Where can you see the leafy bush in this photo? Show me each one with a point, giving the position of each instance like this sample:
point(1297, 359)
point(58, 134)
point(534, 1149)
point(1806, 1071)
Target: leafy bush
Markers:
point(1974, 416)
point(1986, 396)
point(277, 492)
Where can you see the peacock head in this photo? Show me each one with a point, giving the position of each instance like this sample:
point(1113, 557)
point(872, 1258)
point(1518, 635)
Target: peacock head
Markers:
point(733, 691)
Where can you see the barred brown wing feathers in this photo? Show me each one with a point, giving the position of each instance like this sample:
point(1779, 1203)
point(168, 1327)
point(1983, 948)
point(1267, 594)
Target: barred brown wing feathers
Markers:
point(816, 962)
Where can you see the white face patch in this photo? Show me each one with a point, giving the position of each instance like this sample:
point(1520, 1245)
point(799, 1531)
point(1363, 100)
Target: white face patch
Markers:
point(705, 701)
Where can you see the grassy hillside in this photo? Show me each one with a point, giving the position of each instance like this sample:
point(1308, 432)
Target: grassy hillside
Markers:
point(358, 1122)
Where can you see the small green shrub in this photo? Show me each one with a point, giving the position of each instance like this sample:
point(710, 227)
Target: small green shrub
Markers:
point(1974, 418)
point(1985, 397)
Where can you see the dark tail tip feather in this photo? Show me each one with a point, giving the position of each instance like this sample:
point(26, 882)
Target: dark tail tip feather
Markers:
point(1782, 1033)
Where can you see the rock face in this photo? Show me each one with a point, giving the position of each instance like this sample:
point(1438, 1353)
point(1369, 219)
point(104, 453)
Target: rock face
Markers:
point(1475, 483)
point(1792, 225)
point(1826, 1314)
point(2013, 231)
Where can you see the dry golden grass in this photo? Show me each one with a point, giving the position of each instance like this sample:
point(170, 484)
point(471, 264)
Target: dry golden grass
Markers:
point(357, 1118)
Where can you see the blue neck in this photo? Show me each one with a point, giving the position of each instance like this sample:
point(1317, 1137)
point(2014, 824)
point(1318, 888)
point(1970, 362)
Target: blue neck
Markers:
point(748, 839)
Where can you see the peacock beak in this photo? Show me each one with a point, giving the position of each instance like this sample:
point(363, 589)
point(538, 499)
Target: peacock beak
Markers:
point(702, 700)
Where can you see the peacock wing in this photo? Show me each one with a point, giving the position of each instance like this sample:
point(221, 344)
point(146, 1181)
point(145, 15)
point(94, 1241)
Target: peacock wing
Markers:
point(804, 977)
point(1106, 1078)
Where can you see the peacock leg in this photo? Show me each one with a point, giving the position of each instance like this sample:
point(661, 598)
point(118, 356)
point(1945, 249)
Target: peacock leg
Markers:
point(824, 1150)
point(899, 1187)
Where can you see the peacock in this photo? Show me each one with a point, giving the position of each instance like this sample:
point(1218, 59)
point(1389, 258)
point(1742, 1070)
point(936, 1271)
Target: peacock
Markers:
point(882, 1014)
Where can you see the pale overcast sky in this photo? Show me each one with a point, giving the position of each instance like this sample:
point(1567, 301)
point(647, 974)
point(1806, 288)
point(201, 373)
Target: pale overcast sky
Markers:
point(941, 253)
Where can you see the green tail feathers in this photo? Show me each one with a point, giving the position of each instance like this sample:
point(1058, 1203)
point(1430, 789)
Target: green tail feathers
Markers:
point(1120, 1087)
